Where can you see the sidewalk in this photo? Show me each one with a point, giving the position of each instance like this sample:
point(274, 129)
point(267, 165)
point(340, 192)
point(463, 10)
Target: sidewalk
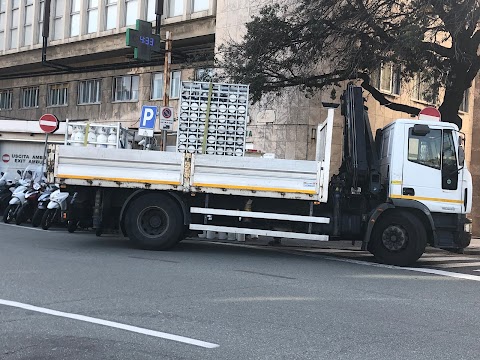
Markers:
point(473, 249)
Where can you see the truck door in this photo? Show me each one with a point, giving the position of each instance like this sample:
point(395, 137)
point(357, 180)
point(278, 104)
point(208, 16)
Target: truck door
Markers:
point(430, 170)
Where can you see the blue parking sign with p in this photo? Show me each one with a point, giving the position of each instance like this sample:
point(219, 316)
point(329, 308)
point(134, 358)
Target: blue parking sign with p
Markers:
point(147, 120)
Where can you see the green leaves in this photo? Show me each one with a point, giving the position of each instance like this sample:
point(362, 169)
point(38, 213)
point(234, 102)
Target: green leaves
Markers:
point(313, 44)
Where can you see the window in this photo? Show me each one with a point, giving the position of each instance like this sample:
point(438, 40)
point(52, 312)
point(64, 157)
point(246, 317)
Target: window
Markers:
point(425, 150)
point(28, 23)
point(205, 75)
point(125, 88)
point(40, 21)
point(6, 99)
point(200, 5)
point(57, 94)
point(449, 162)
point(131, 12)
point(3, 7)
point(92, 16)
point(58, 19)
point(387, 79)
point(464, 105)
point(157, 85)
point(14, 24)
point(75, 18)
point(89, 91)
point(30, 97)
point(422, 90)
point(175, 8)
point(111, 13)
point(151, 10)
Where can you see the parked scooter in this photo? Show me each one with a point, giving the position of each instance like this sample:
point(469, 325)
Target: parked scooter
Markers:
point(56, 209)
point(31, 175)
point(8, 181)
point(43, 201)
point(28, 208)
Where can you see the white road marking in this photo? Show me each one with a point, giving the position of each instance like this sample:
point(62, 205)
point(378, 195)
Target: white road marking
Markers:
point(112, 324)
point(444, 258)
point(24, 227)
point(459, 264)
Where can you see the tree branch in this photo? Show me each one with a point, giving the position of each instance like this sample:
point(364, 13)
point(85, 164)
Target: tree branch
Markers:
point(377, 95)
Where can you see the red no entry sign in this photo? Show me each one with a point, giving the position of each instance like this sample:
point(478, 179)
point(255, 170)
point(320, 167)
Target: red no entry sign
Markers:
point(429, 113)
point(5, 158)
point(49, 123)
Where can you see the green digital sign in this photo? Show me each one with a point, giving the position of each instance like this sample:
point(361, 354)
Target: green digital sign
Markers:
point(143, 40)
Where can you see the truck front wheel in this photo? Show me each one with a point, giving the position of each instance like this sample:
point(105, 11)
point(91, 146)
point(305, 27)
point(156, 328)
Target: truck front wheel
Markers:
point(154, 222)
point(398, 238)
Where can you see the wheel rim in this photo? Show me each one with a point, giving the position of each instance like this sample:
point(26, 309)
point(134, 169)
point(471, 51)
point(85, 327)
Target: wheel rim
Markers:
point(152, 222)
point(51, 217)
point(11, 212)
point(394, 238)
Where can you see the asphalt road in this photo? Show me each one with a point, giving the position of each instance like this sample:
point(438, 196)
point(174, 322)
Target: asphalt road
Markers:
point(239, 302)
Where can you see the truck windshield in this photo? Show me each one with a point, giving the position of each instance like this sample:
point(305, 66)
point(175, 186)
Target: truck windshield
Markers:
point(425, 150)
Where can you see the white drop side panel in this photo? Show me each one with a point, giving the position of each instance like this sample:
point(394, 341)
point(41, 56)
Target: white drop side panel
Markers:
point(260, 177)
point(118, 167)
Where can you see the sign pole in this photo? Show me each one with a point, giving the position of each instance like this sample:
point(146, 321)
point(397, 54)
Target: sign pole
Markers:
point(44, 159)
point(166, 81)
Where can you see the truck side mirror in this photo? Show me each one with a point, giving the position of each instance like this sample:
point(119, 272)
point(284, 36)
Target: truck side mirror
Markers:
point(420, 130)
point(461, 156)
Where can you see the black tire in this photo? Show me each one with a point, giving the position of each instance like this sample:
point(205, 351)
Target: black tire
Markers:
point(154, 222)
point(22, 215)
point(9, 213)
point(48, 218)
point(37, 217)
point(72, 226)
point(398, 238)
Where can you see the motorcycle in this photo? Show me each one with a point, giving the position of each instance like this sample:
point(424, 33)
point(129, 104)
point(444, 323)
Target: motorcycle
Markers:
point(31, 175)
point(43, 201)
point(7, 184)
point(56, 209)
point(27, 209)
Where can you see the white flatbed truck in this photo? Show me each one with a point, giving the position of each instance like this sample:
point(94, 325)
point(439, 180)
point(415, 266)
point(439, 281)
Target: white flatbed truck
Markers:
point(407, 189)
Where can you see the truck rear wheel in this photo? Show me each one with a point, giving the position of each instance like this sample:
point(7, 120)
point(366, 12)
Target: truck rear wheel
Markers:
point(154, 222)
point(398, 238)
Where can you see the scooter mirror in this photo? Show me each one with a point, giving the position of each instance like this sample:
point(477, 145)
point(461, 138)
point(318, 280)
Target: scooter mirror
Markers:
point(1, 173)
point(19, 172)
point(30, 172)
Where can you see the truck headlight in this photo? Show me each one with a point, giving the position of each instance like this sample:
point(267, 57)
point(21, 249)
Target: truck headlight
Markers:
point(467, 228)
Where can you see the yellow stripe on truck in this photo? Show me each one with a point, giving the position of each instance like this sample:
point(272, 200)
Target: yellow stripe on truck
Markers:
point(255, 188)
point(407, 197)
point(161, 182)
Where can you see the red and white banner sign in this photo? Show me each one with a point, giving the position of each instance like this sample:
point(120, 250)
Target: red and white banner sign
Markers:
point(49, 123)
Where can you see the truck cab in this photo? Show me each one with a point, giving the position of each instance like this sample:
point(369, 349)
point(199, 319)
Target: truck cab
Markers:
point(422, 167)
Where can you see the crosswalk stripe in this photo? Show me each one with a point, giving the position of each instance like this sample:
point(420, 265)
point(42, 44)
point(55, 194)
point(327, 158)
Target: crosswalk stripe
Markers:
point(445, 258)
point(459, 264)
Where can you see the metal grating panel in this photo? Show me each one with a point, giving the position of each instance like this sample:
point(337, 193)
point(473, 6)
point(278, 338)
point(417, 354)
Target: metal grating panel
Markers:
point(212, 118)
